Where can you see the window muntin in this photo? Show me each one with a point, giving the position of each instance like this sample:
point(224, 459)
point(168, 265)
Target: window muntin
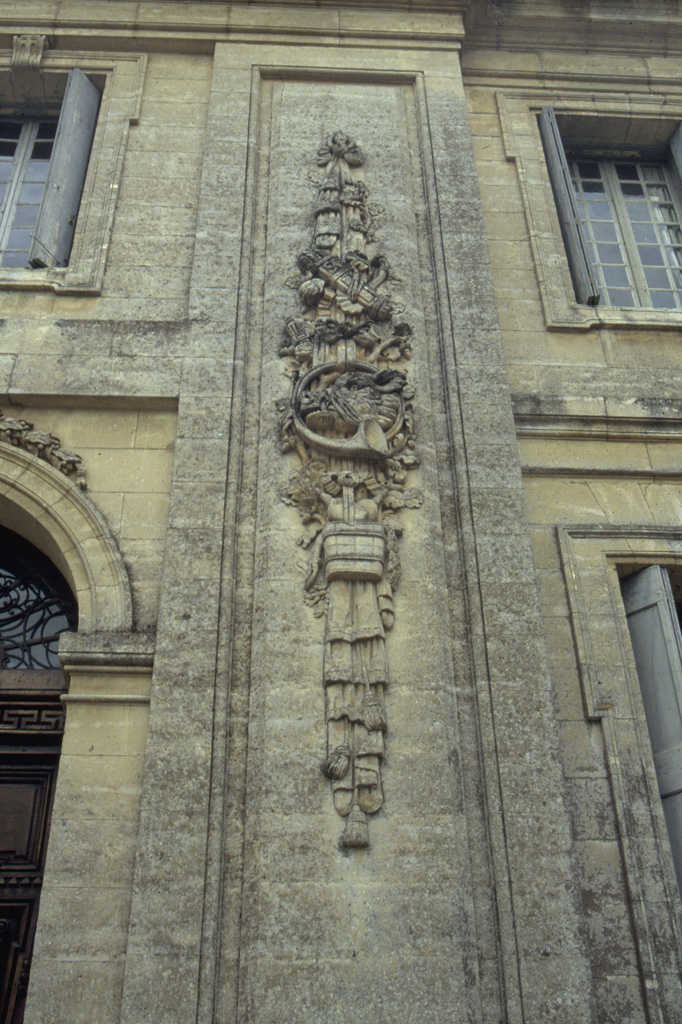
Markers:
point(25, 153)
point(632, 227)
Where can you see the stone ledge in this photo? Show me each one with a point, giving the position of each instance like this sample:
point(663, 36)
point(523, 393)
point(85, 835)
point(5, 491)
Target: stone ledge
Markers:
point(108, 649)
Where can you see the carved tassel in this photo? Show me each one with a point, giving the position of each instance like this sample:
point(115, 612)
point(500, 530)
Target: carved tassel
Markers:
point(356, 832)
point(373, 713)
point(338, 763)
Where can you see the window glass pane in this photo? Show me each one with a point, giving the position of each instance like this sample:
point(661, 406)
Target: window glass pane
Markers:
point(593, 189)
point(651, 255)
point(652, 172)
point(26, 215)
point(627, 172)
point(47, 129)
point(605, 232)
point(31, 192)
point(644, 232)
point(659, 193)
point(656, 278)
point(10, 129)
point(621, 297)
point(665, 212)
point(19, 238)
point(638, 211)
point(36, 170)
point(615, 276)
point(664, 300)
point(15, 259)
point(609, 253)
point(41, 151)
point(598, 211)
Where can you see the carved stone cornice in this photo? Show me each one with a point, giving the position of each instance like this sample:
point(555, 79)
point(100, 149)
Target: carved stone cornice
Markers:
point(415, 24)
point(523, 25)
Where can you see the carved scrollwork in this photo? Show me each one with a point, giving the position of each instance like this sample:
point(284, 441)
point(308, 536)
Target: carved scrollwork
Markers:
point(28, 52)
point(349, 419)
point(44, 445)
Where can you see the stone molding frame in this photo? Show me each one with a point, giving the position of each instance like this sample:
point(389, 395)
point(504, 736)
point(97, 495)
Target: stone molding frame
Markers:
point(264, 79)
point(52, 512)
point(518, 110)
point(123, 77)
point(590, 558)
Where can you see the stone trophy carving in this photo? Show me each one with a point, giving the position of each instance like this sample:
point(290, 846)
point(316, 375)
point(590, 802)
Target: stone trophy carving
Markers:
point(349, 421)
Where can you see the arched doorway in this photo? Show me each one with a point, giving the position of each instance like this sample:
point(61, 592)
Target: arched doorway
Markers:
point(36, 606)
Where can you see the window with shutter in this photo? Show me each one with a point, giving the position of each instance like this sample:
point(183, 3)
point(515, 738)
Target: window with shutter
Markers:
point(43, 163)
point(579, 257)
point(657, 646)
point(621, 221)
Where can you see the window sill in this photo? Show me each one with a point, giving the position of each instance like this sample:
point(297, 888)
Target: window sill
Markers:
point(586, 317)
point(79, 280)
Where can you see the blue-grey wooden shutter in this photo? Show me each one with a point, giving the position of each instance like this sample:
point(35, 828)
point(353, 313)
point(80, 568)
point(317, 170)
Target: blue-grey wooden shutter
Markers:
point(66, 176)
point(657, 646)
point(582, 272)
point(675, 145)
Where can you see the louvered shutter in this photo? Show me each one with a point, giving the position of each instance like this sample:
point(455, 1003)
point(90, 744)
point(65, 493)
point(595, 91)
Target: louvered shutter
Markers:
point(582, 273)
point(657, 646)
point(675, 145)
point(59, 209)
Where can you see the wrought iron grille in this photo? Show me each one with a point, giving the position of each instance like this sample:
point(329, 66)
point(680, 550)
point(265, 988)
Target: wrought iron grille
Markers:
point(36, 605)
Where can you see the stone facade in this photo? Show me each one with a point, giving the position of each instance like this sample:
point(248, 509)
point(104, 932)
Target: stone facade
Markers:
point(318, 354)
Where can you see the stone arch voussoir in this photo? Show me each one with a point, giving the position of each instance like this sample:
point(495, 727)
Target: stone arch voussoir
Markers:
point(49, 510)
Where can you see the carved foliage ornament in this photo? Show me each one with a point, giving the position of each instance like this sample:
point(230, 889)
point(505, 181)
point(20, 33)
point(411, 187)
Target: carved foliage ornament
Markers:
point(44, 445)
point(348, 419)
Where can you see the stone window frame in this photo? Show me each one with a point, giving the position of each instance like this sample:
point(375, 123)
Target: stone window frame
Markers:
point(122, 78)
point(594, 557)
point(622, 120)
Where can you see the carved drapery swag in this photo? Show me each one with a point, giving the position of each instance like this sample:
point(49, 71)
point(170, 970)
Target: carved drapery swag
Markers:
point(349, 420)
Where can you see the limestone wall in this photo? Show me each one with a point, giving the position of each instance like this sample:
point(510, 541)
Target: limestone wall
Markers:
point(595, 395)
point(517, 869)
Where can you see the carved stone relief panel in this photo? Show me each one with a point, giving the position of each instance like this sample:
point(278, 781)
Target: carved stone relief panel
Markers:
point(349, 420)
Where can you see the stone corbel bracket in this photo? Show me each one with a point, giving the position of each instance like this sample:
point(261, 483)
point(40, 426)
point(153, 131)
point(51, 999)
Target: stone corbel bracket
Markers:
point(28, 52)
